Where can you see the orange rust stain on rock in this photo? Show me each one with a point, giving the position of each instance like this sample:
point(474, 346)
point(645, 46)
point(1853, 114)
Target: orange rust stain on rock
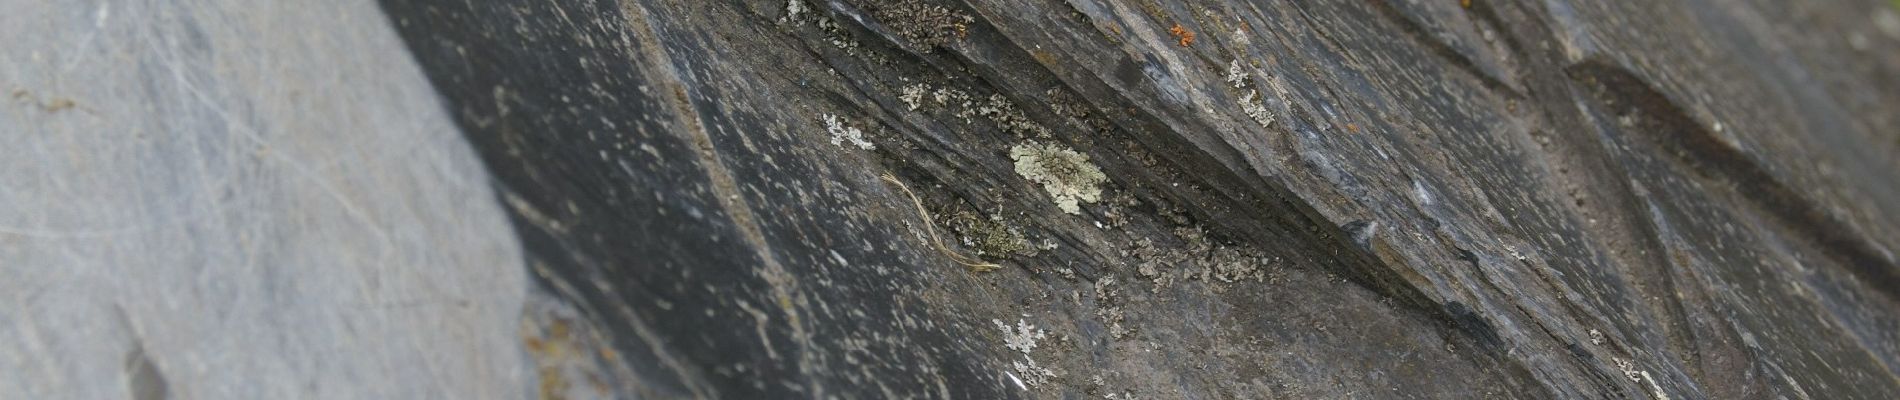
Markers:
point(1186, 36)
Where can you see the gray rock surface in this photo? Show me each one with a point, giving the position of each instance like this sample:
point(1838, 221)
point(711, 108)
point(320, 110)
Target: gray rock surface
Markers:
point(242, 200)
point(1327, 199)
point(952, 199)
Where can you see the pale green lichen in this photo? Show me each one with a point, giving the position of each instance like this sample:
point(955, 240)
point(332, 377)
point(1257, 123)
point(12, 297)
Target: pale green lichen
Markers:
point(1068, 176)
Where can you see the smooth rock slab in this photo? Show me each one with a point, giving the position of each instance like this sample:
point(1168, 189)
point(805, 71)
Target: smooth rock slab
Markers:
point(242, 200)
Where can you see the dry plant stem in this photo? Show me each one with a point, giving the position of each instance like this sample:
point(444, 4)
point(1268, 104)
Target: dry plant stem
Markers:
point(930, 225)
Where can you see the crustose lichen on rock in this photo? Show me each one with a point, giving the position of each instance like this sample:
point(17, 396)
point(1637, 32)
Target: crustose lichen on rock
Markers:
point(1065, 174)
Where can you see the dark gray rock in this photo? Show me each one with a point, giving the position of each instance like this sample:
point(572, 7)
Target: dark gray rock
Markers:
point(1341, 199)
point(1352, 199)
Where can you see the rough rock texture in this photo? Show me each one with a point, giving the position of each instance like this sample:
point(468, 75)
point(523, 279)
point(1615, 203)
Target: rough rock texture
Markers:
point(829, 199)
point(1409, 199)
point(1684, 199)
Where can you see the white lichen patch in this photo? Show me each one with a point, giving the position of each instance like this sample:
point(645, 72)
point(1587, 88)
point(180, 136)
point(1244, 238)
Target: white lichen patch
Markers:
point(968, 108)
point(1655, 389)
point(841, 133)
point(1628, 368)
point(1000, 110)
point(949, 96)
point(1251, 105)
point(1031, 373)
point(793, 10)
point(1068, 176)
point(1109, 313)
point(1021, 337)
point(1236, 75)
point(914, 95)
point(1250, 101)
point(837, 35)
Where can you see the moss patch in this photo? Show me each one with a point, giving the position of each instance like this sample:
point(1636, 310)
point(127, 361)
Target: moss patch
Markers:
point(989, 236)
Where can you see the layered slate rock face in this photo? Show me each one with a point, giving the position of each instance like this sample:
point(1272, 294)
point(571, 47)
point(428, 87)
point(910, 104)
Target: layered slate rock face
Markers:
point(1192, 198)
